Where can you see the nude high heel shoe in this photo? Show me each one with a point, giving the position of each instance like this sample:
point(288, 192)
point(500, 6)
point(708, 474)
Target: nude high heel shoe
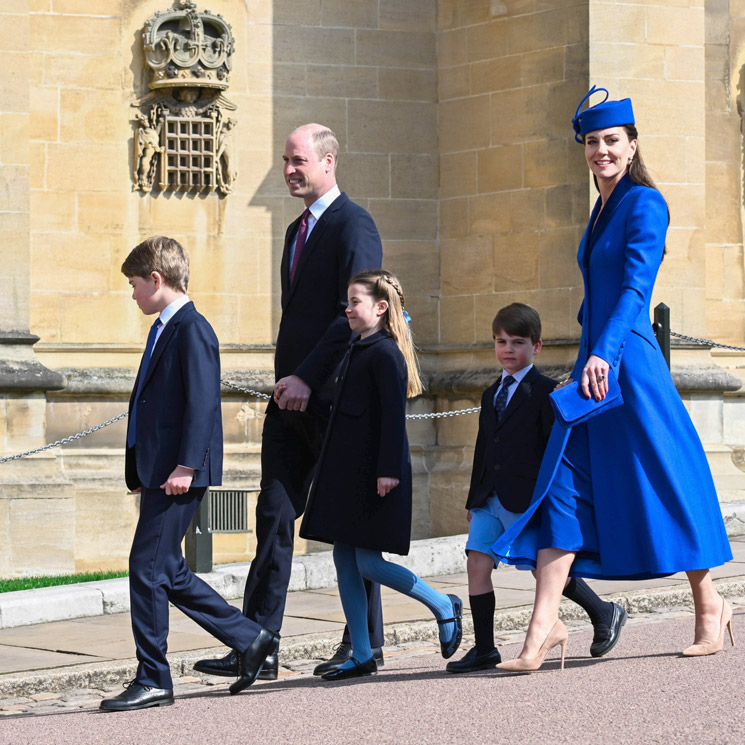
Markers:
point(557, 635)
point(702, 648)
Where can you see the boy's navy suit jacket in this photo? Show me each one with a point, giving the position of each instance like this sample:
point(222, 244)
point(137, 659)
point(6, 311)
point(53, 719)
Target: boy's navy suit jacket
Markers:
point(179, 421)
point(508, 453)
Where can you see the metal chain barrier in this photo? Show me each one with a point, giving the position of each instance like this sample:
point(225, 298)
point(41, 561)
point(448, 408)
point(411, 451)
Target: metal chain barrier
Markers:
point(444, 414)
point(249, 391)
point(64, 440)
point(705, 342)
point(227, 384)
point(266, 396)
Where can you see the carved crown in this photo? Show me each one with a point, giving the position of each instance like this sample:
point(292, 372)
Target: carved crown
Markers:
point(184, 47)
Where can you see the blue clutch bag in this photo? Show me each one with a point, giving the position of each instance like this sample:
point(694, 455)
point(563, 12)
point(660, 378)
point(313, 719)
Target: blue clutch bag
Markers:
point(571, 407)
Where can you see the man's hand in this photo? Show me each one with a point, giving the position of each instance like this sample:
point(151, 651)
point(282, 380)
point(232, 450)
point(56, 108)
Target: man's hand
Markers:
point(385, 484)
point(292, 393)
point(179, 481)
point(563, 383)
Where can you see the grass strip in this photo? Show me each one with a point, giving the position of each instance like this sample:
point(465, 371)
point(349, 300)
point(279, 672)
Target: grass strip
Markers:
point(33, 583)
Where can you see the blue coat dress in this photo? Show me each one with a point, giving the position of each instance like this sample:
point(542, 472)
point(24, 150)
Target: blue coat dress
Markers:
point(653, 502)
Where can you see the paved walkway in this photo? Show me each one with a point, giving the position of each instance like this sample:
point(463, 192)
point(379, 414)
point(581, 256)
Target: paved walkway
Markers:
point(643, 693)
point(78, 659)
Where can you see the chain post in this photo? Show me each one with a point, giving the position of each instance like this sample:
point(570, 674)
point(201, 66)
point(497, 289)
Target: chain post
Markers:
point(198, 539)
point(661, 327)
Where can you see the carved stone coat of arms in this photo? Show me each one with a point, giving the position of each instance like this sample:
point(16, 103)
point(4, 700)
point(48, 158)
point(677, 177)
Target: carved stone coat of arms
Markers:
point(183, 129)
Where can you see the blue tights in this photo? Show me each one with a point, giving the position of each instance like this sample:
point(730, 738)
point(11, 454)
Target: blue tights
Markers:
point(352, 564)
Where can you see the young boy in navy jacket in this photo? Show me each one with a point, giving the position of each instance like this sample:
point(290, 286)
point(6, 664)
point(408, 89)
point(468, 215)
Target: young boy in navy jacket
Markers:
point(514, 425)
point(174, 453)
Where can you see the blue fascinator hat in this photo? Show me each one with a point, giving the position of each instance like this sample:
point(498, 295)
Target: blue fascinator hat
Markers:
point(602, 115)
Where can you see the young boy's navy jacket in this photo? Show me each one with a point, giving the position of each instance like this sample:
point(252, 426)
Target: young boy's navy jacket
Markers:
point(179, 420)
point(508, 453)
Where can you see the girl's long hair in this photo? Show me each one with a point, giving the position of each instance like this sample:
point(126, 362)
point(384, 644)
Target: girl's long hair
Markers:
point(382, 285)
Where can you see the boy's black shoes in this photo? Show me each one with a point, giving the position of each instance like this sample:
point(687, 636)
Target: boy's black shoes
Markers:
point(229, 665)
point(252, 660)
point(138, 696)
point(473, 661)
point(341, 655)
point(606, 637)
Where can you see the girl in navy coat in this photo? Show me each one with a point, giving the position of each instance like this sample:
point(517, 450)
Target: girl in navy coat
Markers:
point(360, 499)
point(629, 493)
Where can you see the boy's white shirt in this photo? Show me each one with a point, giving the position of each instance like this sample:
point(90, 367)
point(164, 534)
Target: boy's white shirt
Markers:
point(169, 312)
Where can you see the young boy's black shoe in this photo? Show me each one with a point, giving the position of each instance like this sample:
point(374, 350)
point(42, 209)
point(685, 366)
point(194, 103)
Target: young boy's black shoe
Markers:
point(473, 661)
point(606, 637)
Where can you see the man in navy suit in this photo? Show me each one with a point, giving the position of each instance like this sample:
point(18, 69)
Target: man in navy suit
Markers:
point(174, 453)
point(332, 240)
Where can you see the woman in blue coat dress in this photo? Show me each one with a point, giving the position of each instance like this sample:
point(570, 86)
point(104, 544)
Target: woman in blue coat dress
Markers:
point(629, 493)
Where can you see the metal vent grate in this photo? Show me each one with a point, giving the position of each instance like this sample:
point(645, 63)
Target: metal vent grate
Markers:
point(228, 511)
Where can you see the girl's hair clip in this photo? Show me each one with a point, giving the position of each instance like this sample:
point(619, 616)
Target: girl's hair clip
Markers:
point(407, 317)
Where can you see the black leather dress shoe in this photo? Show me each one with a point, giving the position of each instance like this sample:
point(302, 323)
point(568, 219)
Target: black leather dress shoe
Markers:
point(229, 665)
point(253, 659)
point(473, 661)
point(360, 670)
point(270, 668)
point(341, 655)
point(138, 696)
point(606, 637)
point(449, 647)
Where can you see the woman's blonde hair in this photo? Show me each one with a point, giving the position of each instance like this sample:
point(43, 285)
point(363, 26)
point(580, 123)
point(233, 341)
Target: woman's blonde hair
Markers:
point(382, 285)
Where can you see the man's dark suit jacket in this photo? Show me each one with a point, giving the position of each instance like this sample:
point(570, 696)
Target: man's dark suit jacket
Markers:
point(508, 453)
point(314, 331)
point(179, 421)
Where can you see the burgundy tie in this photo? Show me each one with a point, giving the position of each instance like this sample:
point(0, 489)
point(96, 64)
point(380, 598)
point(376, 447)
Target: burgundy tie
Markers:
point(302, 233)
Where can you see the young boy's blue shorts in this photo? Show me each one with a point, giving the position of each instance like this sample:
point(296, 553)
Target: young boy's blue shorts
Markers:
point(487, 524)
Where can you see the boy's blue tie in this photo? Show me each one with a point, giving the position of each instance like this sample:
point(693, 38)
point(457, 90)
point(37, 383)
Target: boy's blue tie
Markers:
point(501, 403)
point(143, 369)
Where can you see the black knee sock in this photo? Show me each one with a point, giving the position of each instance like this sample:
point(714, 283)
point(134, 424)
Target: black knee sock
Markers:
point(482, 610)
point(579, 592)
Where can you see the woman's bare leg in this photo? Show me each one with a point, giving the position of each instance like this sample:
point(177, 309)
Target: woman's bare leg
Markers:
point(707, 603)
point(552, 571)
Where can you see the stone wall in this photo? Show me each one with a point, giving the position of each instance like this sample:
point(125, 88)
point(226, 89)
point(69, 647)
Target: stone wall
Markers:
point(725, 166)
point(454, 123)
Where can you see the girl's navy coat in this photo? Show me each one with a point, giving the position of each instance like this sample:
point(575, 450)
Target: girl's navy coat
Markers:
point(365, 439)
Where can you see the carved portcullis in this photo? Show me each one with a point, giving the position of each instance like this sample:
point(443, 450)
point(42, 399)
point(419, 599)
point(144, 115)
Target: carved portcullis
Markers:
point(183, 131)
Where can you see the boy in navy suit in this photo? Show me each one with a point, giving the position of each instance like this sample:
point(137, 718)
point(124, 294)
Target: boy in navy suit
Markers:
point(174, 453)
point(514, 425)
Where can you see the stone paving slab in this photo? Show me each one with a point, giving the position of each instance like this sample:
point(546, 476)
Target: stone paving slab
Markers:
point(402, 659)
point(406, 622)
point(429, 557)
point(97, 651)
